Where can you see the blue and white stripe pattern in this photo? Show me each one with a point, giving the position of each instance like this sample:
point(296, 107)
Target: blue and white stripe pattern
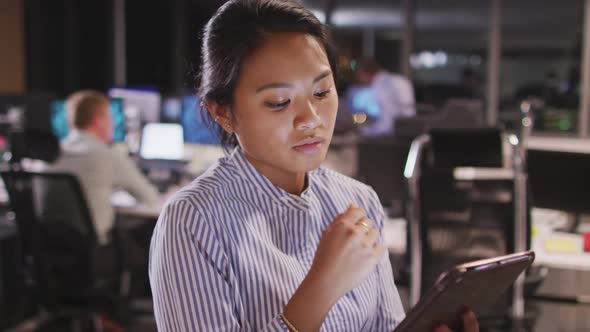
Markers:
point(230, 249)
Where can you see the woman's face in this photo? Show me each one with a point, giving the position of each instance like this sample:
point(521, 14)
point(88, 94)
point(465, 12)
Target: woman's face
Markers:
point(285, 105)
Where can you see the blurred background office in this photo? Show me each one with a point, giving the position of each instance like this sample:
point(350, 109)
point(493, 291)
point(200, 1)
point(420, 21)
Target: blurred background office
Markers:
point(472, 123)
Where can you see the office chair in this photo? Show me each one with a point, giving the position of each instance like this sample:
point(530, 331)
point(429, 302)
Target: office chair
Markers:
point(454, 218)
point(58, 239)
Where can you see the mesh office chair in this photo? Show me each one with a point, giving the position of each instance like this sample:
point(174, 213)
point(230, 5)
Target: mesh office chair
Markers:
point(58, 238)
point(456, 217)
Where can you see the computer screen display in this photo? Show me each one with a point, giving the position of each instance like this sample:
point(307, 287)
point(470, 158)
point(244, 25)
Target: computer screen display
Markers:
point(145, 103)
point(363, 99)
point(195, 130)
point(162, 141)
point(559, 180)
point(171, 110)
point(59, 120)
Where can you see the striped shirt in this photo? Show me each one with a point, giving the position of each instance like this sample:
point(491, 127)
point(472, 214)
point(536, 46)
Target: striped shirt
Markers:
point(230, 249)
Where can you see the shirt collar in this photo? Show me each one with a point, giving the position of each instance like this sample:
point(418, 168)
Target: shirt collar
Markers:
point(265, 186)
point(77, 135)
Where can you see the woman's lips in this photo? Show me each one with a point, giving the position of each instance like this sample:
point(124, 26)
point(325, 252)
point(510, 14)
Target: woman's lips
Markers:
point(309, 145)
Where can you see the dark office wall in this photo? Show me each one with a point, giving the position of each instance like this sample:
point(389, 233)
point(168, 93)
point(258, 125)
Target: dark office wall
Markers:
point(68, 45)
point(12, 65)
point(387, 53)
point(163, 42)
point(199, 15)
point(149, 43)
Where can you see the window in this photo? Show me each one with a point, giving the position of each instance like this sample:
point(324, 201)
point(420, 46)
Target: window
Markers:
point(541, 58)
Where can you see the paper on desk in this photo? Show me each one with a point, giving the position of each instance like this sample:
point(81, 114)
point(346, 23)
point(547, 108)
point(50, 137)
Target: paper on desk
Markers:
point(121, 198)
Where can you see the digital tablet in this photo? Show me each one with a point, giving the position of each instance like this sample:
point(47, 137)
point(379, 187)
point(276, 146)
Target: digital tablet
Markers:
point(476, 285)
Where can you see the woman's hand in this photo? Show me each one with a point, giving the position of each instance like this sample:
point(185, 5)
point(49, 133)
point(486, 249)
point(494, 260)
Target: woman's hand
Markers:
point(470, 323)
point(348, 251)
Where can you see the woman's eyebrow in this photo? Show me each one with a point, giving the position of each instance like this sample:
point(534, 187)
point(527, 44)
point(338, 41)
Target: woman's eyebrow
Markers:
point(322, 76)
point(278, 85)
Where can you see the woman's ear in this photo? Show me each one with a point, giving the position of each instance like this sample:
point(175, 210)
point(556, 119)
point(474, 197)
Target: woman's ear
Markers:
point(221, 115)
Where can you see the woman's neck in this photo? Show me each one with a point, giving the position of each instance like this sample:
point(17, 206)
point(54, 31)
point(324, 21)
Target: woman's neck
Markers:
point(291, 182)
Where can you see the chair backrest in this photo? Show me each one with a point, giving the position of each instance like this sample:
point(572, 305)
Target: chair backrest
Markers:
point(58, 198)
point(56, 229)
point(33, 144)
point(466, 147)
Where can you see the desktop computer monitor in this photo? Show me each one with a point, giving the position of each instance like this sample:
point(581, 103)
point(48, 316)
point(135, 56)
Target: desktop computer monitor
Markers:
point(171, 110)
point(143, 103)
point(59, 121)
point(195, 130)
point(559, 180)
point(162, 141)
point(362, 99)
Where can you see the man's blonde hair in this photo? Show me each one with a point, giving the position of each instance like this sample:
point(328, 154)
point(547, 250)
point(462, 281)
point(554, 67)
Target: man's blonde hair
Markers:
point(83, 106)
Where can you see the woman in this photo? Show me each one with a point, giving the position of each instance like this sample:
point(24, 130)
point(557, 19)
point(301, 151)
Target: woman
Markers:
point(266, 239)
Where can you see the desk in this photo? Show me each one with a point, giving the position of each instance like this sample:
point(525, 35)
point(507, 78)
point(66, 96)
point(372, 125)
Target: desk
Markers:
point(545, 223)
point(126, 206)
point(395, 240)
point(482, 173)
point(579, 261)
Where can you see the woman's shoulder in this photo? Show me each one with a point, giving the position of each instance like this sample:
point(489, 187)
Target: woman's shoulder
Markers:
point(206, 188)
point(187, 219)
point(194, 209)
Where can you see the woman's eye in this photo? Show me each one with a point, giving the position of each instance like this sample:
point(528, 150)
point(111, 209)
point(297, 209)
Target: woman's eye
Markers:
point(322, 94)
point(277, 106)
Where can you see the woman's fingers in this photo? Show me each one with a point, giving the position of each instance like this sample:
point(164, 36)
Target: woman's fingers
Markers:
point(470, 323)
point(442, 328)
point(352, 215)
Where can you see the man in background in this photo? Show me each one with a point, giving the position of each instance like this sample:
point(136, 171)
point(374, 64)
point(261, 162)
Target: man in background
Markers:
point(99, 168)
point(394, 93)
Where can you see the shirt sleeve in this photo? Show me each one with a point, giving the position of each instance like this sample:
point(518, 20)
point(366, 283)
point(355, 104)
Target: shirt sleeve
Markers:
point(192, 283)
point(128, 177)
point(390, 311)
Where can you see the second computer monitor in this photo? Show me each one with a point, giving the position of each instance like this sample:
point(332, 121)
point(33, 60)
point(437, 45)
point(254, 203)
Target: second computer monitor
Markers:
point(144, 103)
point(195, 129)
point(363, 99)
point(162, 141)
point(59, 119)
